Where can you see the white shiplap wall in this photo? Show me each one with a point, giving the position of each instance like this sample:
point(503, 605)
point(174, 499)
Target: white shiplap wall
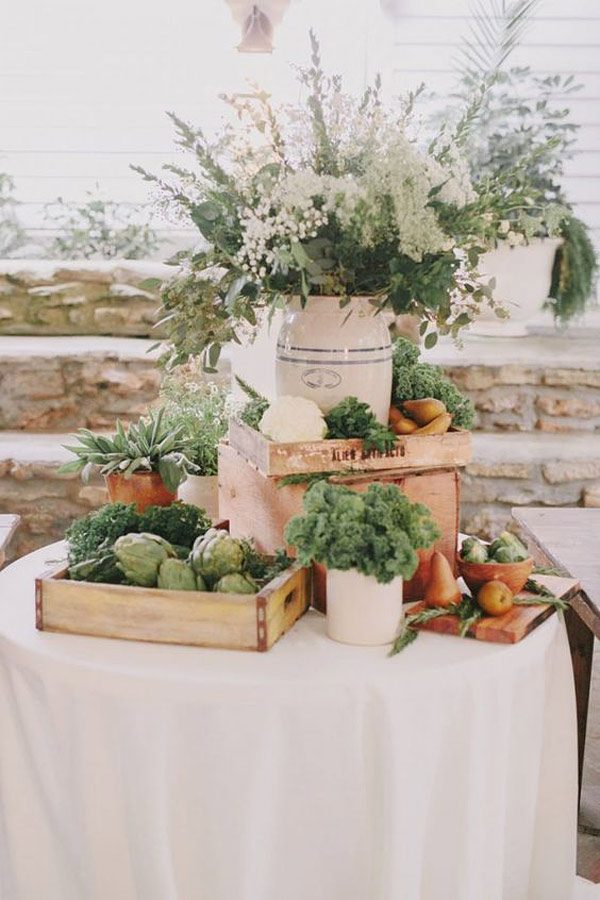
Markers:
point(83, 87)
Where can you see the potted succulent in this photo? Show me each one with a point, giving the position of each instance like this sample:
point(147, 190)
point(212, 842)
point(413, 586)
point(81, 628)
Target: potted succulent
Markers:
point(142, 464)
point(202, 409)
point(368, 542)
point(331, 212)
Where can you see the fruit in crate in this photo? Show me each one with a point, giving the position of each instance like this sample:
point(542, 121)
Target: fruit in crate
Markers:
point(442, 588)
point(217, 554)
point(439, 425)
point(400, 423)
point(424, 411)
point(495, 598)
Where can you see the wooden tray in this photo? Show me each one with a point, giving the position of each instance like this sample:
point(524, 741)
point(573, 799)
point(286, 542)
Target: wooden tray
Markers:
point(423, 451)
point(197, 618)
point(515, 624)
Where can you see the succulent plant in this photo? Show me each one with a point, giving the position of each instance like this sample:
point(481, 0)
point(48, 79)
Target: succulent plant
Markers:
point(149, 445)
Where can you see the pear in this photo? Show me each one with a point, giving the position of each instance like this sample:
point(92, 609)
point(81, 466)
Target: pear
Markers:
point(425, 410)
point(442, 588)
point(495, 598)
point(439, 425)
point(400, 423)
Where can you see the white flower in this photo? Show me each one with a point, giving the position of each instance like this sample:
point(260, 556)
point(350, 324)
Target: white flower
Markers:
point(504, 226)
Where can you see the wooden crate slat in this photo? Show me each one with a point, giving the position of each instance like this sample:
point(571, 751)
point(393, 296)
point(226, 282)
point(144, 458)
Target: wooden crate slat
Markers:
point(410, 451)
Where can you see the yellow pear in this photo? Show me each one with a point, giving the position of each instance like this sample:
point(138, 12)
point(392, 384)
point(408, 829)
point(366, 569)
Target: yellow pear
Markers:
point(400, 423)
point(495, 598)
point(442, 588)
point(425, 410)
point(439, 425)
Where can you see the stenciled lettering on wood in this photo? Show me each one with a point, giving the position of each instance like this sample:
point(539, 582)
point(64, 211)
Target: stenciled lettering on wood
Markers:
point(352, 454)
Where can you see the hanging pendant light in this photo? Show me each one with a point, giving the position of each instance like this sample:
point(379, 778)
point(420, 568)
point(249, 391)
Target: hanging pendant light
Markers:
point(257, 21)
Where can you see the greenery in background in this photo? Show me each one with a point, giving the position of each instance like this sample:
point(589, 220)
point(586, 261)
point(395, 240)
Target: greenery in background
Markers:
point(99, 229)
point(523, 138)
point(202, 409)
point(335, 196)
point(12, 236)
point(352, 418)
point(150, 445)
point(376, 532)
point(414, 380)
point(255, 407)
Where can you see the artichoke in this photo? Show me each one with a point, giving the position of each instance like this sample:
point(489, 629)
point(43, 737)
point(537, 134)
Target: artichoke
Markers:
point(217, 554)
point(140, 556)
point(201, 585)
point(176, 575)
point(236, 583)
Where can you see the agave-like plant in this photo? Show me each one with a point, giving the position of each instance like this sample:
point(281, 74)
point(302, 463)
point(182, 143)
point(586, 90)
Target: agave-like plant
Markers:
point(149, 445)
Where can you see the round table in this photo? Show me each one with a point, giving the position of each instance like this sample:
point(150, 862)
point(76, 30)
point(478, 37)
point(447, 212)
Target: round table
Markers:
point(316, 771)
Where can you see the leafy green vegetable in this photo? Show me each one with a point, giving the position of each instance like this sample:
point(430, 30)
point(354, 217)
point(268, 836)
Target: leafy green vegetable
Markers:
point(352, 418)
point(102, 527)
point(256, 406)
point(575, 267)
point(375, 532)
point(415, 380)
point(180, 523)
point(101, 569)
point(260, 567)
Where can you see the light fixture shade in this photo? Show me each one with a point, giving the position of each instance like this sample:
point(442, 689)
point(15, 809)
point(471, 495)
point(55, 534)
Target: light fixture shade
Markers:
point(257, 35)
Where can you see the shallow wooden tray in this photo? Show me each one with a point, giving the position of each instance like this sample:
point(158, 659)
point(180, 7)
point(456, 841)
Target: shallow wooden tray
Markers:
point(197, 618)
point(515, 624)
point(423, 451)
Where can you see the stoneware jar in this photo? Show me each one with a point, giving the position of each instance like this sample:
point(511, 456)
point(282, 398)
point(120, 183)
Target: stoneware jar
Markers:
point(202, 491)
point(326, 353)
point(362, 611)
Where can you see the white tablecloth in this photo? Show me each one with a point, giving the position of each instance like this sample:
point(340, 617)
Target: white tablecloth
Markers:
point(315, 771)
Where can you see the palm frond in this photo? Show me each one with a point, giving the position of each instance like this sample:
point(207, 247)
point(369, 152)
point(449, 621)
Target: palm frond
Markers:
point(496, 29)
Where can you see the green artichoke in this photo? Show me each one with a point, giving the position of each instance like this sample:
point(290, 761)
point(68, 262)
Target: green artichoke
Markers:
point(236, 583)
point(201, 585)
point(176, 575)
point(217, 554)
point(140, 556)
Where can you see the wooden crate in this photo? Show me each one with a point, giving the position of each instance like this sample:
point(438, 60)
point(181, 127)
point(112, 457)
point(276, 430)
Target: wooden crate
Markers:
point(256, 507)
point(423, 451)
point(197, 618)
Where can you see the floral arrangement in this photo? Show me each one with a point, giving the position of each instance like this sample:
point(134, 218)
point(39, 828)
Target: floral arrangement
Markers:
point(336, 196)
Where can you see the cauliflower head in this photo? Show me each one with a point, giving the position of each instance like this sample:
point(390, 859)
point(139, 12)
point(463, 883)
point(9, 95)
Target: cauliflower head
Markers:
point(290, 419)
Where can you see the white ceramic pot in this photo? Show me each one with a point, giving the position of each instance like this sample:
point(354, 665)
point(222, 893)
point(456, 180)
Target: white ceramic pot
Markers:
point(523, 276)
point(362, 611)
point(203, 491)
point(326, 353)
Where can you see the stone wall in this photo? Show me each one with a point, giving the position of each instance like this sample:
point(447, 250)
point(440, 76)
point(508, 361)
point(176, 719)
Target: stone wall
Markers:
point(45, 297)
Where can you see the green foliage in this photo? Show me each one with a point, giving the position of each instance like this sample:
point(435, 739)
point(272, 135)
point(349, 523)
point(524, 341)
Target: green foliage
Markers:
point(574, 272)
point(101, 568)
point(260, 567)
point(202, 408)
point(414, 380)
point(102, 527)
point(376, 532)
point(180, 523)
point(352, 418)
point(255, 407)
point(99, 229)
point(150, 445)
point(12, 236)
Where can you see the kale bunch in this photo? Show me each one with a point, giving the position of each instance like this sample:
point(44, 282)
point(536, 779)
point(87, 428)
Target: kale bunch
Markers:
point(376, 532)
point(101, 527)
point(180, 523)
point(414, 380)
point(352, 418)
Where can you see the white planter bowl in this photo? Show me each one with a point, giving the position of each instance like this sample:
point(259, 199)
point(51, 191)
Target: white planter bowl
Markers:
point(203, 491)
point(523, 276)
point(362, 611)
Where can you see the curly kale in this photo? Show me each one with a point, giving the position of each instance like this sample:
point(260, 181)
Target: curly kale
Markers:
point(376, 532)
point(102, 527)
point(415, 380)
point(180, 523)
point(352, 418)
point(256, 406)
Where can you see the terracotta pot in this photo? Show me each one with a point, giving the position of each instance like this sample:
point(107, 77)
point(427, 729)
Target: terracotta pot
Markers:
point(143, 488)
point(513, 575)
